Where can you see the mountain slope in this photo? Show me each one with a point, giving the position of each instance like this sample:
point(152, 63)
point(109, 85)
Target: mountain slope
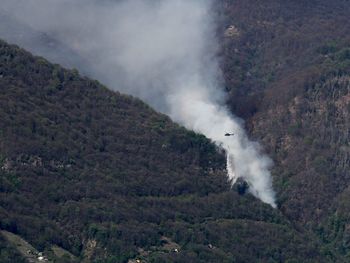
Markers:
point(107, 178)
point(287, 72)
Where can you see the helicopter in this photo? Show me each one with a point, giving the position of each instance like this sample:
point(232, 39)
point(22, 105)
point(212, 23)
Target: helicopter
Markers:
point(229, 134)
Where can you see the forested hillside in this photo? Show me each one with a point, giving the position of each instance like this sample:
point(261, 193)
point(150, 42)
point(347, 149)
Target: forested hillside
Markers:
point(104, 177)
point(108, 179)
point(287, 70)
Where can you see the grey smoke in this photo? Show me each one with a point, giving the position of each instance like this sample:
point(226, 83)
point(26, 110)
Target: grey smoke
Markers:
point(161, 51)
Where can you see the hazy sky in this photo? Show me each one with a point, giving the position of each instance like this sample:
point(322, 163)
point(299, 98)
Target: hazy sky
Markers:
point(161, 51)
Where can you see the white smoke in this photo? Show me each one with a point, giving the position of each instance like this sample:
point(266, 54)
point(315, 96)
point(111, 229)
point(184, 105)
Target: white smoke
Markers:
point(161, 51)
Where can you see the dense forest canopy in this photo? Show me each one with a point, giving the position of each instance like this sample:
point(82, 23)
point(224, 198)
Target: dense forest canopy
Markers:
point(106, 178)
point(83, 166)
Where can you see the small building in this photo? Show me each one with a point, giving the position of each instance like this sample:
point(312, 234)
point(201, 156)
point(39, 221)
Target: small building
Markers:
point(232, 31)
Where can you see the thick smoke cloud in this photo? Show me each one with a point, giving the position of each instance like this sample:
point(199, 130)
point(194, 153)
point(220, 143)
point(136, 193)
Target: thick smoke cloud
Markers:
point(161, 51)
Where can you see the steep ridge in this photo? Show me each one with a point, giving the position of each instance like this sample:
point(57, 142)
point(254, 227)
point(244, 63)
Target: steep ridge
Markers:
point(107, 178)
point(292, 66)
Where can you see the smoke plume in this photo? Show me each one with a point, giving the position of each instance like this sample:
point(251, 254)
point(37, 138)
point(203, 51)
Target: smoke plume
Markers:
point(161, 51)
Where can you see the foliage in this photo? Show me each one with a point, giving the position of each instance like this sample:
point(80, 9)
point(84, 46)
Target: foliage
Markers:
point(105, 177)
point(8, 253)
point(295, 101)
